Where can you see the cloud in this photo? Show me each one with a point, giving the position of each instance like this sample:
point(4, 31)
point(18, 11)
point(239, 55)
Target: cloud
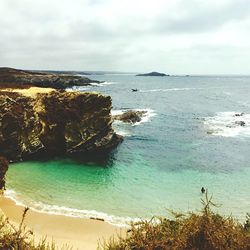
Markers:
point(126, 35)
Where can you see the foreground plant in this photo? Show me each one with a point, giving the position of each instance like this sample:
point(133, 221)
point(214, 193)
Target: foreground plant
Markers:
point(204, 231)
point(19, 238)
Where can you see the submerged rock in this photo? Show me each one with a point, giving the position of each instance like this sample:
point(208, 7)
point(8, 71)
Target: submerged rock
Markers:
point(55, 123)
point(240, 123)
point(13, 78)
point(131, 116)
point(239, 114)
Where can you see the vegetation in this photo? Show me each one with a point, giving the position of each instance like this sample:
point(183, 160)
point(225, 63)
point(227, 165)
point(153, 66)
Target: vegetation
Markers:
point(18, 238)
point(194, 231)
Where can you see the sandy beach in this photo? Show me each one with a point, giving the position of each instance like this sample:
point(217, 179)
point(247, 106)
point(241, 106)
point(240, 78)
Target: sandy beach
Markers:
point(76, 232)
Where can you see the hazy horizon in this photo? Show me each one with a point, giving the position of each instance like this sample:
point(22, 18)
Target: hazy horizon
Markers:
point(175, 37)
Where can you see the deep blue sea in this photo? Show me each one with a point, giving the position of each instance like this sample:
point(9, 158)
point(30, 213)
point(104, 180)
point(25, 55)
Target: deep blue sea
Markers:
point(191, 137)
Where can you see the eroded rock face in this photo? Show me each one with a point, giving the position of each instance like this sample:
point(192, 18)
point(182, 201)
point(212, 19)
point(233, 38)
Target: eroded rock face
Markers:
point(3, 170)
point(56, 123)
point(130, 116)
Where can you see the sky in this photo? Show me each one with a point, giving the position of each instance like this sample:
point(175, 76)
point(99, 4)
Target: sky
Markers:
point(171, 36)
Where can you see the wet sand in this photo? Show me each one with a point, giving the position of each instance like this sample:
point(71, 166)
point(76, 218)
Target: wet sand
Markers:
point(76, 232)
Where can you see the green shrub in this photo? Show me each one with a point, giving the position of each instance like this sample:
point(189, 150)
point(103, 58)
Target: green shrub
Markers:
point(194, 231)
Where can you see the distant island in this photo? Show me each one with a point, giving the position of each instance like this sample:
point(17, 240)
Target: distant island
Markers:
point(153, 74)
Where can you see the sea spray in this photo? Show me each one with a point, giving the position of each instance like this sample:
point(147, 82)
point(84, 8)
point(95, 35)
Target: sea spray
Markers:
point(228, 124)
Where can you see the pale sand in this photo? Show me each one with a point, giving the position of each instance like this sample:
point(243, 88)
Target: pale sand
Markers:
point(79, 233)
point(30, 92)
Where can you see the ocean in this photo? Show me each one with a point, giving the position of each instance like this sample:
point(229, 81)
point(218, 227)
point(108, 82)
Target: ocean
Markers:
point(191, 137)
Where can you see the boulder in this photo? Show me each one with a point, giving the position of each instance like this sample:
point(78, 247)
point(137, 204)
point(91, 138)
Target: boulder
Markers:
point(239, 114)
point(130, 116)
point(240, 123)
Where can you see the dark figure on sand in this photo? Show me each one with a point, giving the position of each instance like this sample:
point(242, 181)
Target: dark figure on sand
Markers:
point(203, 190)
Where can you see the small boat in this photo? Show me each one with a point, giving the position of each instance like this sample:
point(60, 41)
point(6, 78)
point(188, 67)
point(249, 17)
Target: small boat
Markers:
point(134, 90)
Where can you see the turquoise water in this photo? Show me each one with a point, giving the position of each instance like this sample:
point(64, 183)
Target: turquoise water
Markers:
point(188, 140)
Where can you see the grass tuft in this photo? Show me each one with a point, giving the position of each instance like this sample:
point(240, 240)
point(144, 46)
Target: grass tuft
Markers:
point(19, 238)
point(206, 230)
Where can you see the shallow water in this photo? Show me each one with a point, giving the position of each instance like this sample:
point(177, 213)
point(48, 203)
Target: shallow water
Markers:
point(190, 141)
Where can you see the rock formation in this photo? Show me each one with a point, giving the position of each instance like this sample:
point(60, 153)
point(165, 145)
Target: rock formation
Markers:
point(55, 123)
point(240, 123)
point(13, 78)
point(153, 74)
point(239, 114)
point(3, 170)
point(130, 116)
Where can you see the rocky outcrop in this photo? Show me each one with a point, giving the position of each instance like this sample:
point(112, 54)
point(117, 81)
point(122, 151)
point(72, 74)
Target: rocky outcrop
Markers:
point(240, 123)
point(3, 170)
point(13, 78)
point(130, 116)
point(239, 114)
point(55, 123)
point(153, 74)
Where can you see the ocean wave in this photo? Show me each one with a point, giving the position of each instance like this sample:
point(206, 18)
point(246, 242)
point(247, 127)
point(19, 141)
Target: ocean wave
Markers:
point(88, 87)
point(120, 129)
point(170, 89)
point(71, 212)
point(125, 129)
point(228, 124)
point(102, 84)
point(78, 88)
point(146, 117)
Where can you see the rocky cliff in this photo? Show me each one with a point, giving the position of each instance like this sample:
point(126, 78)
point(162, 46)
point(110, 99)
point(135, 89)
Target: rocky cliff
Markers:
point(3, 170)
point(13, 78)
point(55, 123)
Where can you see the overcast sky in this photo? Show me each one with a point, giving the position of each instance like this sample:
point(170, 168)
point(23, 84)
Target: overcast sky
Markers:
point(173, 36)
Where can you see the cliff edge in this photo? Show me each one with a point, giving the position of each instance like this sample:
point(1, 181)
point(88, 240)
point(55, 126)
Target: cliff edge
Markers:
point(15, 78)
point(55, 123)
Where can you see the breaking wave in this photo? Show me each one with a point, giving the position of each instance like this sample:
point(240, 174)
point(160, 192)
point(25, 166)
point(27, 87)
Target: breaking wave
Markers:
point(228, 124)
point(125, 129)
point(145, 117)
point(70, 212)
point(88, 87)
point(170, 89)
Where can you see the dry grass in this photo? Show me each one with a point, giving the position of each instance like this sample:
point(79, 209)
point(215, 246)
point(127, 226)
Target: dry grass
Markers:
point(19, 238)
point(194, 231)
point(29, 91)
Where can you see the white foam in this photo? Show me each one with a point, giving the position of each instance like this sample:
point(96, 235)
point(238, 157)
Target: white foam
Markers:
point(88, 87)
point(125, 129)
point(78, 88)
point(225, 124)
point(71, 212)
point(145, 117)
point(170, 89)
point(102, 84)
point(120, 129)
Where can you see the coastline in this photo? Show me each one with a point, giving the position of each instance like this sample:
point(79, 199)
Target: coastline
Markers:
point(76, 232)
